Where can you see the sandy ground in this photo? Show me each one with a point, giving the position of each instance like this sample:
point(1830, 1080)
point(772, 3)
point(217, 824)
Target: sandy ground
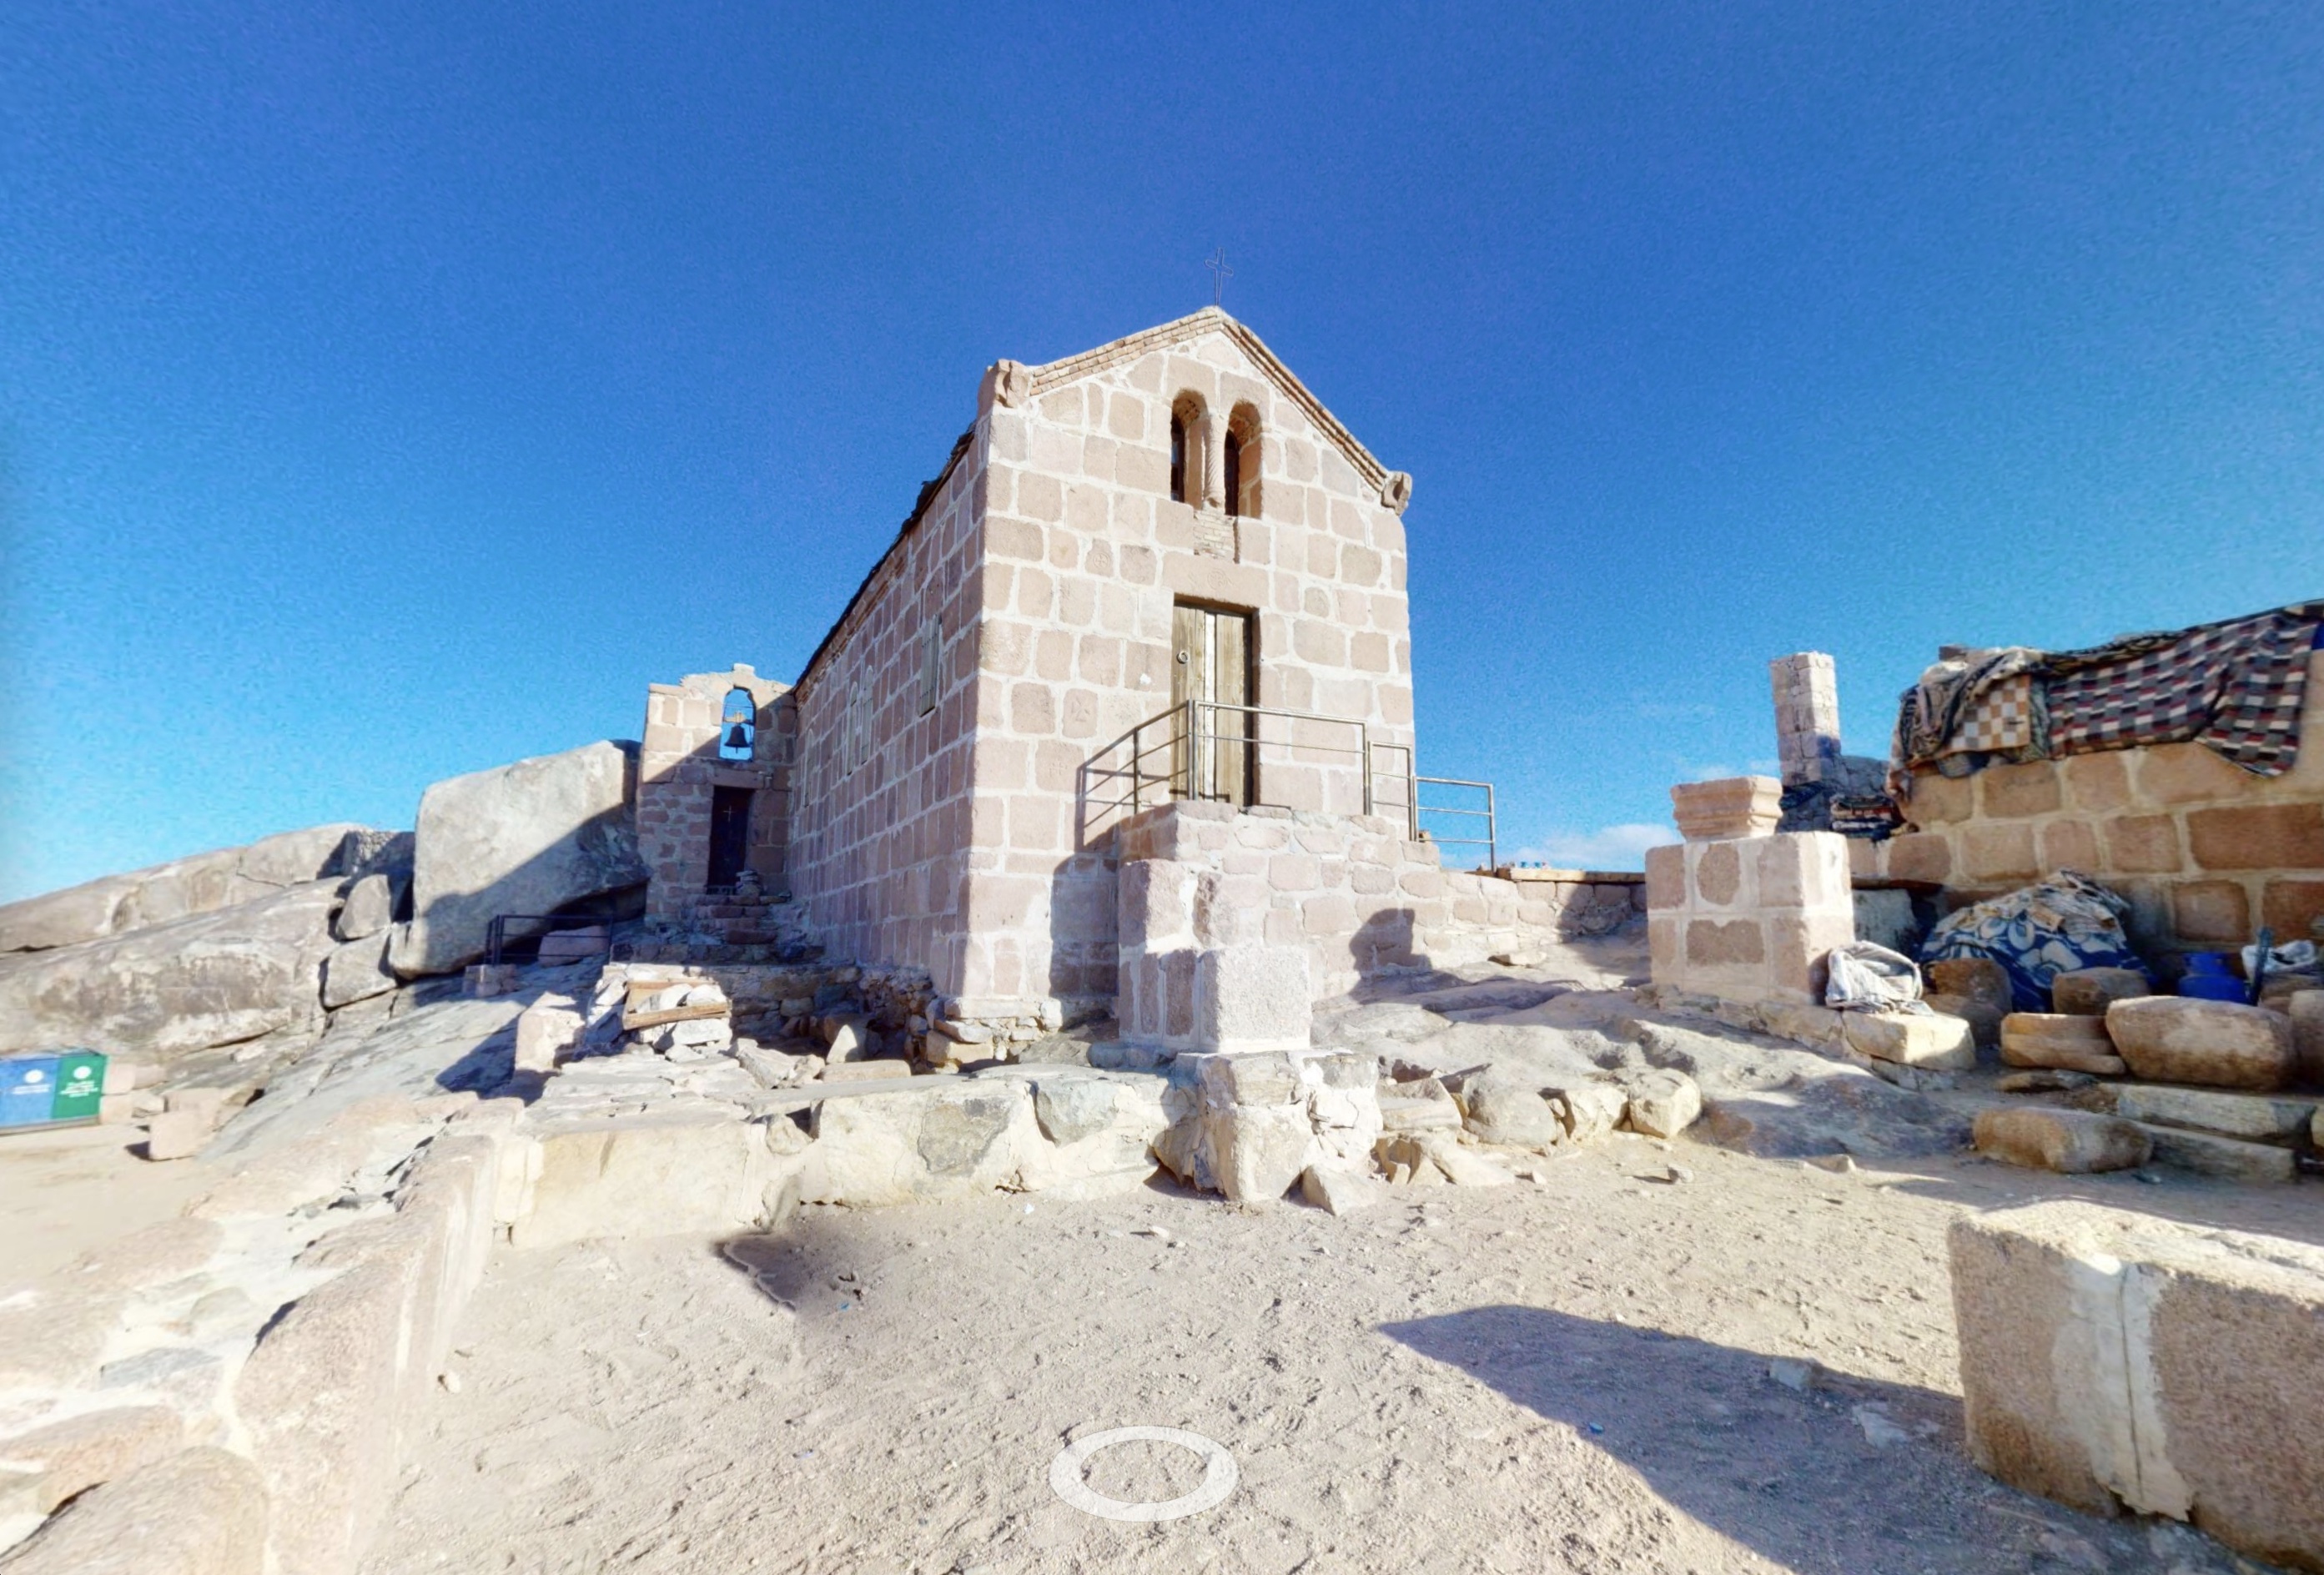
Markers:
point(1569, 1375)
point(66, 1191)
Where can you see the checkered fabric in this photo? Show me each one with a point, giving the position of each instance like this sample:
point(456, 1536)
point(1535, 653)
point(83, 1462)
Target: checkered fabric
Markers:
point(2236, 687)
point(2000, 718)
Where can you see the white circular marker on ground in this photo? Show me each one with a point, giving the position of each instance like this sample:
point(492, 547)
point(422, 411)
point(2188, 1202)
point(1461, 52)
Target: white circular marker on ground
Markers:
point(1219, 1475)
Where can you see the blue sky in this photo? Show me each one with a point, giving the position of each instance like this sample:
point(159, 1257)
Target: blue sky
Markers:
point(386, 393)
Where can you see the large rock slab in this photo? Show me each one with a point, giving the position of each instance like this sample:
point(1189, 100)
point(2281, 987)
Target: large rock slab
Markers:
point(652, 1175)
point(538, 836)
point(2170, 1039)
point(165, 990)
point(199, 1512)
point(2111, 1360)
point(120, 905)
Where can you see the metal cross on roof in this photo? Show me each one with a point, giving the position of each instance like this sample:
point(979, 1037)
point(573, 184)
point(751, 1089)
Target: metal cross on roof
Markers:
point(1220, 274)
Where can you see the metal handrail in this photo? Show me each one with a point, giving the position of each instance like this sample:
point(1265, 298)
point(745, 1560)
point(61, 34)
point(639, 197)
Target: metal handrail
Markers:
point(1189, 774)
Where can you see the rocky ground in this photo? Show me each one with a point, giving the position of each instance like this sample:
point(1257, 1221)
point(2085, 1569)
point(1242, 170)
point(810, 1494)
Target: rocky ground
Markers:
point(1733, 1351)
point(1596, 1372)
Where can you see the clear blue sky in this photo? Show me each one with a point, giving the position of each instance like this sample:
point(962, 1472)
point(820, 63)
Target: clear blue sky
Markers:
point(387, 393)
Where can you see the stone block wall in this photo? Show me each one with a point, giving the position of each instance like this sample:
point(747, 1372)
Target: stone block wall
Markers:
point(1086, 554)
point(2206, 851)
point(679, 768)
point(882, 821)
point(1748, 918)
point(1350, 890)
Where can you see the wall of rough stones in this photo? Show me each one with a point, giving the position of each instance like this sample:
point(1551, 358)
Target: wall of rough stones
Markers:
point(2205, 852)
point(1087, 553)
point(679, 768)
point(882, 821)
point(1352, 890)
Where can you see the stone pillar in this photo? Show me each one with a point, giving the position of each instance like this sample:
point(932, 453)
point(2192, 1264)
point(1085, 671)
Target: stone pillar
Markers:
point(1807, 716)
point(1215, 460)
point(1749, 918)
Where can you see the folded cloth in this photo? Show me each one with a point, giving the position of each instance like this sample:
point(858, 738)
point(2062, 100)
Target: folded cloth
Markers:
point(1863, 977)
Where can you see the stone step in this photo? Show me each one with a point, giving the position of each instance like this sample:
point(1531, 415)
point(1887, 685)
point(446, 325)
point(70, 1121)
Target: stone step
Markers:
point(2231, 1115)
point(2227, 1158)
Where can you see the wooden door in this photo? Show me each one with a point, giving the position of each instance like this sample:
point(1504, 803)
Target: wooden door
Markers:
point(1211, 652)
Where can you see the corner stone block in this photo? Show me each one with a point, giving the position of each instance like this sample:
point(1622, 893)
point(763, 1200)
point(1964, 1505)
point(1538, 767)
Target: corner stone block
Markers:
point(1804, 870)
point(1252, 998)
point(1667, 878)
point(2112, 1360)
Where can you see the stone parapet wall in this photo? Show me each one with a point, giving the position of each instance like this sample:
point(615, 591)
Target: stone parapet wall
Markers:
point(1352, 892)
point(2205, 852)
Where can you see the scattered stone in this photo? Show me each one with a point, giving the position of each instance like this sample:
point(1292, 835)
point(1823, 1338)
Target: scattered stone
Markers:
point(1880, 1431)
point(2089, 991)
point(1498, 1108)
point(848, 1037)
point(1678, 1174)
point(2071, 1142)
point(2169, 1038)
point(177, 1135)
point(1838, 1163)
point(2061, 1041)
point(1663, 1104)
point(2044, 1082)
point(1589, 1109)
point(1340, 1190)
point(1793, 1373)
point(1928, 1040)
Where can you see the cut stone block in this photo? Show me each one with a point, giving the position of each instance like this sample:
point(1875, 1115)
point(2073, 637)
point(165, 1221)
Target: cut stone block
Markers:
point(1252, 998)
point(649, 1176)
point(2089, 991)
point(177, 1133)
point(1730, 806)
point(2170, 1039)
point(1925, 1039)
point(2231, 1115)
point(2111, 1360)
point(1972, 978)
point(2062, 1040)
point(2226, 1158)
point(2070, 1142)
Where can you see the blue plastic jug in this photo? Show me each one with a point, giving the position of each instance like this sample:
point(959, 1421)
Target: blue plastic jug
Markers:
point(2207, 978)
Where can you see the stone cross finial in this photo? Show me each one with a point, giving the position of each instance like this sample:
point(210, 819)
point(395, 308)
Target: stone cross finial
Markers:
point(1220, 274)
